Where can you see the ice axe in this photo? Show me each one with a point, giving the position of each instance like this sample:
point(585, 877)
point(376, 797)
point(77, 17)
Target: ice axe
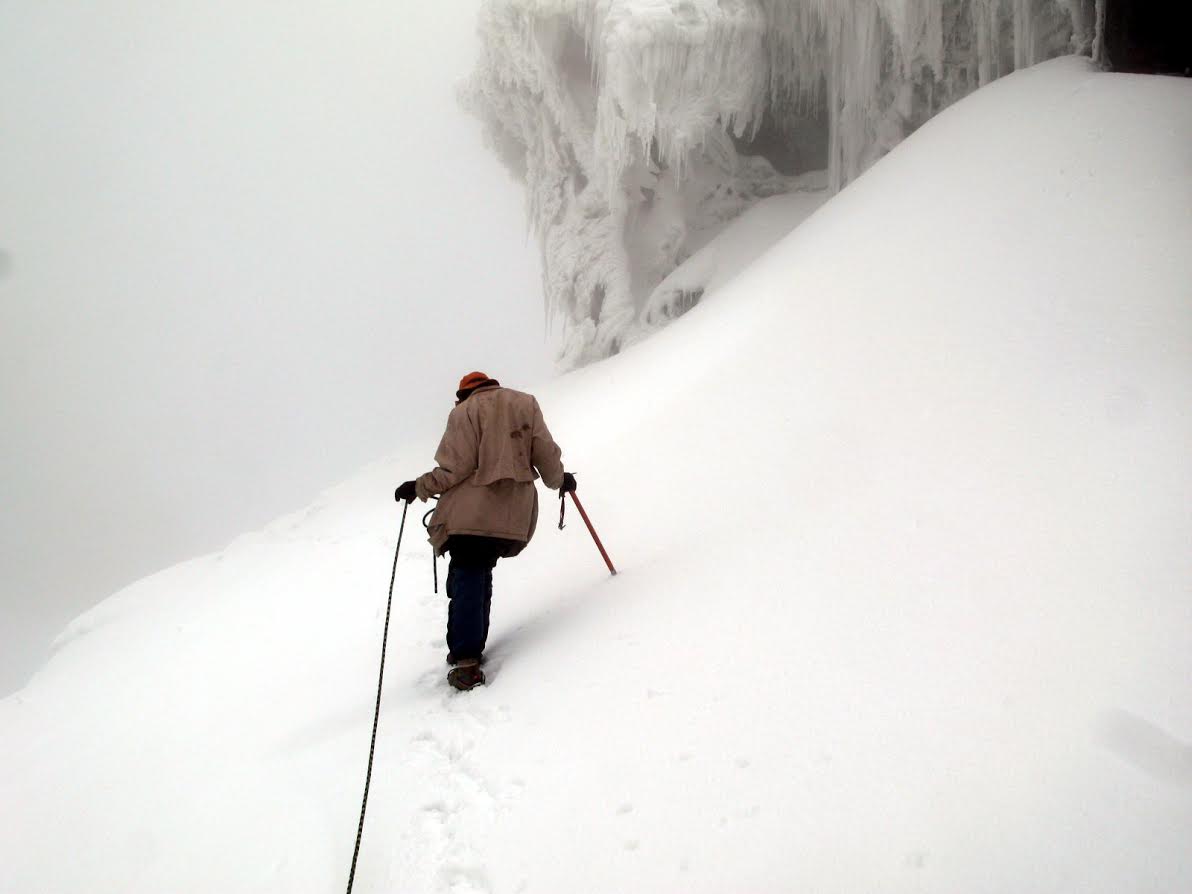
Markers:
point(588, 522)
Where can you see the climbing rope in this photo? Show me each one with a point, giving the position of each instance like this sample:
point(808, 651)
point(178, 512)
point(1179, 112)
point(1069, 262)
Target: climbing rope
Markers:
point(434, 554)
point(372, 745)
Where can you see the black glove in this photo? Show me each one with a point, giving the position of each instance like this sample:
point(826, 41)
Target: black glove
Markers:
point(568, 485)
point(407, 492)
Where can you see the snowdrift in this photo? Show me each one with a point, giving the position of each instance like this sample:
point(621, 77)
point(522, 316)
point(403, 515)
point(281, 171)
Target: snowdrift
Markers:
point(903, 522)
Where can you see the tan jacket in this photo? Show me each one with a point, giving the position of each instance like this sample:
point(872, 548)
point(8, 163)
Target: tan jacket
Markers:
point(495, 440)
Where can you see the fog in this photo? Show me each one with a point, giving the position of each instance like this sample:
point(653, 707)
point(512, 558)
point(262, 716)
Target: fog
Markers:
point(244, 246)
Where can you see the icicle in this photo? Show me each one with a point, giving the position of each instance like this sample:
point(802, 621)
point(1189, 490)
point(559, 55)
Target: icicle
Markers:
point(1024, 33)
point(1082, 14)
point(982, 13)
point(1099, 54)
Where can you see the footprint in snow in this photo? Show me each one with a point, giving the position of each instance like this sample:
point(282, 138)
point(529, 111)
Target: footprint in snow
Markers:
point(458, 879)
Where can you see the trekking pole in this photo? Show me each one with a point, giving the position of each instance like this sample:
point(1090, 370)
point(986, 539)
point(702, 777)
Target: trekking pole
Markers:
point(592, 531)
point(372, 747)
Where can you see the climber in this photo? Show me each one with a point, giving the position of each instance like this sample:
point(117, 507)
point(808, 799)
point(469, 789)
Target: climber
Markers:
point(495, 445)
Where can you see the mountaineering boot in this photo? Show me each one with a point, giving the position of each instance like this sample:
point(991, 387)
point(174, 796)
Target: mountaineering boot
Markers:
point(453, 661)
point(466, 674)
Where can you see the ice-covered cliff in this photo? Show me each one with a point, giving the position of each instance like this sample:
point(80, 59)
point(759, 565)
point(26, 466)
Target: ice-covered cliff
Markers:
point(641, 127)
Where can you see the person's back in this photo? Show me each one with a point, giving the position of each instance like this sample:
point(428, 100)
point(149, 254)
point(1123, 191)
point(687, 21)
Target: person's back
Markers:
point(495, 446)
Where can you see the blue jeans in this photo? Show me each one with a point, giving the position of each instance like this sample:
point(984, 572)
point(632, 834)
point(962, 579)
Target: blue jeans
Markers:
point(470, 592)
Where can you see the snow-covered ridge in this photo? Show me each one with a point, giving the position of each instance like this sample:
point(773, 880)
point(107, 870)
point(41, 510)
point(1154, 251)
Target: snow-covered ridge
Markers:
point(641, 127)
point(904, 602)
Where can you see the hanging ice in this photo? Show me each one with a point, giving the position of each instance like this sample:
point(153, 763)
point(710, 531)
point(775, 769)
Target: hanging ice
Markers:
point(642, 127)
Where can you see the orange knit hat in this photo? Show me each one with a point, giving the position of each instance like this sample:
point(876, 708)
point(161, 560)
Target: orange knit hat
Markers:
point(471, 382)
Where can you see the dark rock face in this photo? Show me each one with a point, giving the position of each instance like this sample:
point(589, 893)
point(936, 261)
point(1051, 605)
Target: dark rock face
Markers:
point(1149, 36)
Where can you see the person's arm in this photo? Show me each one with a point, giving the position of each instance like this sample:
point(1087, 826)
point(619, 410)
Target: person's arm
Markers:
point(545, 453)
point(456, 458)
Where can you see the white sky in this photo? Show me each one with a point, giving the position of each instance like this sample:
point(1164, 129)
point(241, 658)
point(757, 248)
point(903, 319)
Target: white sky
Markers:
point(244, 245)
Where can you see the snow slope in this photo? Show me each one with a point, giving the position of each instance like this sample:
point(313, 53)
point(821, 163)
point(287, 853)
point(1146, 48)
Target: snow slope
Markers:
point(903, 519)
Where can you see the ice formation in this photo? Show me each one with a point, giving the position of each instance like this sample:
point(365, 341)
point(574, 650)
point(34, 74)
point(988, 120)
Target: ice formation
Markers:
point(642, 127)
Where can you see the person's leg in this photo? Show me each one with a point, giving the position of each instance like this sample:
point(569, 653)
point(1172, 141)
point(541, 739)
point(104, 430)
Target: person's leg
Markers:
point(488, 597)
point(469, 591)
point(493, 549)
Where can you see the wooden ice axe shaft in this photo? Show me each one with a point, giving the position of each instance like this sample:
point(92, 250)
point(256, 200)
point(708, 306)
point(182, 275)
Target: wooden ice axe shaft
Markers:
point(592, 531)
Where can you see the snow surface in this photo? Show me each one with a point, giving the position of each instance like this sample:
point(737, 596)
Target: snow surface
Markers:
point(903, 520)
